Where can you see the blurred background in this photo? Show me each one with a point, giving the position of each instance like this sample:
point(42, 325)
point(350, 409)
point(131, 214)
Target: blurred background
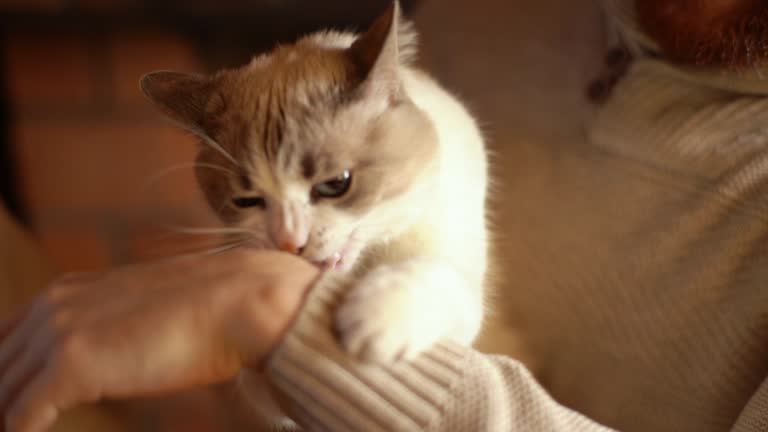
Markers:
point(86, 162)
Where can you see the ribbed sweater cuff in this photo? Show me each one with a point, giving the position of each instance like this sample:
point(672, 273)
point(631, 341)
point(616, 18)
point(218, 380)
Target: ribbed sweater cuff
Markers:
point(330, 390)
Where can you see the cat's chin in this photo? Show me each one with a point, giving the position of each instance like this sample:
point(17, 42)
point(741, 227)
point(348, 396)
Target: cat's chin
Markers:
point(341, 261)
point(330, 263)
point(338, 261)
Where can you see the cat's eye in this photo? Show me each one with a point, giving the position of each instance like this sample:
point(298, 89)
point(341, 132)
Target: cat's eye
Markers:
point(334, 187)
point(249, 202)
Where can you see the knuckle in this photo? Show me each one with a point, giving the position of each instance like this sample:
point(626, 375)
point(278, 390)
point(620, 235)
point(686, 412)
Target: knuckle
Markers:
point(61, 321)
point(52, 296)
point(21, 416)
point(15, 416)
point(62, 288)
point(70, 350)
point(73, 277)
point(277, 300)
point(55, 294)
point(269, 295)
point(56, 321)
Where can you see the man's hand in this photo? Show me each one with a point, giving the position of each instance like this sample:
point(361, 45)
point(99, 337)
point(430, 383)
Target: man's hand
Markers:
point(147, 329)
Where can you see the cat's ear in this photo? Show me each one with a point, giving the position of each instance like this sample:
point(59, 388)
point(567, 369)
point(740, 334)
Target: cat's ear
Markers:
point(376, 54)
point(182, 97)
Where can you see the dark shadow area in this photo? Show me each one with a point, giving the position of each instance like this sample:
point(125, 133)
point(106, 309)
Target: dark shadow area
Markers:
point(239, 25)
point(8, 190)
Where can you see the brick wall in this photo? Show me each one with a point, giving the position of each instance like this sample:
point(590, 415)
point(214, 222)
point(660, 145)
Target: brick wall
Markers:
point(89, 148)
point(90, 153)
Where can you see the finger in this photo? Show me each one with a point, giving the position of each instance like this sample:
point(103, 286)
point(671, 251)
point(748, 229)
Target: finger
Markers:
point(77, 277)
point(8, 324)
point(20, 371)
point(21, 333)
point(39, 404)
point(68, 286)
point(17, 339)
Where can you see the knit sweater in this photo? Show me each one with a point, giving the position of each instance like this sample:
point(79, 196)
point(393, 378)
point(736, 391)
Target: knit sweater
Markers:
point(650, 312)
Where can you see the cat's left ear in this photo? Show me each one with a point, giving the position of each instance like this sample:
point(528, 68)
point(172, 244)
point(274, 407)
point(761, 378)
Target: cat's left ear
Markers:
point(376, 54)
point(182, 97)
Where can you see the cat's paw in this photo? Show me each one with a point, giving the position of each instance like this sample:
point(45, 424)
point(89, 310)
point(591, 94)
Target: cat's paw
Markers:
point(386, 316)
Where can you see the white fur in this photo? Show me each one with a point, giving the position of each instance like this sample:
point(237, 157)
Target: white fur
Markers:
point(410, 302)
point(421, 277)
point(429, 245)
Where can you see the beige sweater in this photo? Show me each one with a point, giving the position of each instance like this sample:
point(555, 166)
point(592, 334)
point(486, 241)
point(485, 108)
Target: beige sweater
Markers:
point(649, 311)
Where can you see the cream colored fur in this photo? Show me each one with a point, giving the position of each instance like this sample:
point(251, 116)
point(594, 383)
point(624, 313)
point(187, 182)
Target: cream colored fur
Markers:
point(410, 239)
point(427, 283)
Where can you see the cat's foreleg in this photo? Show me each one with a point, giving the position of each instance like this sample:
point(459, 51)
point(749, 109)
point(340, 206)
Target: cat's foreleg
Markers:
point(399, 310)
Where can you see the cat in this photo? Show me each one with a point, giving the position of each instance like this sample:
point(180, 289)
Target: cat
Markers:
point(338, 149)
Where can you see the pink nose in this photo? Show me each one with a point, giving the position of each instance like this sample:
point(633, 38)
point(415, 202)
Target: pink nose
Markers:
point(288, 226)
point(289, 246)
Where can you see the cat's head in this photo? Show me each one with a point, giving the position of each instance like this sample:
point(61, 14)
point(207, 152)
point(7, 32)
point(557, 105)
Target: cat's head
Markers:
point(316, 148)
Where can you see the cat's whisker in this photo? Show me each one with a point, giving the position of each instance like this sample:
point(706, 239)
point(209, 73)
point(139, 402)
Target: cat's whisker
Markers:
point(216, 146)
point(211, 230)
point(228, 245)
point(225, 248)
point(219, 248)
point(176, 240)
point(174, 168)
point(174, 244)
point(210, 142)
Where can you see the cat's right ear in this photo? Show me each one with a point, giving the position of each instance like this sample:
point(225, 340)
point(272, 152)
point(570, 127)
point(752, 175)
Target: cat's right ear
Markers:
point(376, 54)
point(182, 97)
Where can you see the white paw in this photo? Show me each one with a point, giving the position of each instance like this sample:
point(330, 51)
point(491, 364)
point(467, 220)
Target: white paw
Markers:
point(388, 316)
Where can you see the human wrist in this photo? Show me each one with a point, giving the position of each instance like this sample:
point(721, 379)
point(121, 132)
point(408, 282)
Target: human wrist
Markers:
point(271, 288)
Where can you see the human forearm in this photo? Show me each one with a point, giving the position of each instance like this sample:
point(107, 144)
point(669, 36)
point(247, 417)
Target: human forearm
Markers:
point(448, 388)
point(158, 327)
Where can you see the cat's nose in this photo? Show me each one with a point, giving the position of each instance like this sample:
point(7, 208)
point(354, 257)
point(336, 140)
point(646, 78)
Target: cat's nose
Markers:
point(290, 247)
point(288, 226)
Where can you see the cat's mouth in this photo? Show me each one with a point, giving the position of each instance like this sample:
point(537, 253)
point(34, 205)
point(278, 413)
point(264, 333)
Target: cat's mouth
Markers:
point(341, 260)
point(338, 261)
point(330, 263)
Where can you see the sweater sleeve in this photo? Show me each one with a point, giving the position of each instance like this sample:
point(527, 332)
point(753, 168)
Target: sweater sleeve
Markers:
point(448, 388)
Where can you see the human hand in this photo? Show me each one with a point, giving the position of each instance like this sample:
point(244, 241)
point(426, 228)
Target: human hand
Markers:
point(147, 329)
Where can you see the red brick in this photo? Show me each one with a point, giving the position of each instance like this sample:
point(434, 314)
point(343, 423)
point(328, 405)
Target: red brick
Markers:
point(50, 70)
point(76, 250)
point(135, 54)
point(109, 166)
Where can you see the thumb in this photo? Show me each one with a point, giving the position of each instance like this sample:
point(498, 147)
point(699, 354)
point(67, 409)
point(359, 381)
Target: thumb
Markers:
point(41, 402)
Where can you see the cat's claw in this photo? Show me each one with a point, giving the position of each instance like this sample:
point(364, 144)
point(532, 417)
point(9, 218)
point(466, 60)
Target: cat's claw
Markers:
point(383, 319)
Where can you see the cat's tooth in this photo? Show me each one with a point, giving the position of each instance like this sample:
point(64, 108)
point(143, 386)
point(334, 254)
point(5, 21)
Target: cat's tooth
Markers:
point(333, 261)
